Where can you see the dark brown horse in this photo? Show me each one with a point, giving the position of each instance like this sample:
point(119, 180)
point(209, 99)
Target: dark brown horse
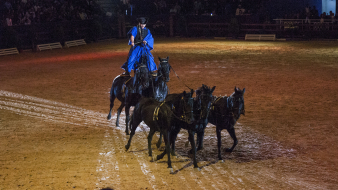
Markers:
point(159, 116)
point(224, 113)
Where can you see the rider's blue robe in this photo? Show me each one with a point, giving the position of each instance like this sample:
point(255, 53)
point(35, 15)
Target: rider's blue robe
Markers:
point(136, 52)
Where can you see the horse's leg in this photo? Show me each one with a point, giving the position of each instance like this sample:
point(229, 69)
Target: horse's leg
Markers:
point(193, 146)
point(167, 147)
point(112, 98)
point(191, 151)
point(219, 142)
point(133, 126)
point(159, 142)
point(173, 136)
point(150, 137)
point(132, 132)
point(159, 157)
point(200, 137)
point(231, 131)
point(127, 109)
point(119, 110)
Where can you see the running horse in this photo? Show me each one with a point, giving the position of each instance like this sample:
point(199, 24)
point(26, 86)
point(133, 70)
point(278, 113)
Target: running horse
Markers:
point(159, 116)
point(128, 90)
point(224, 113)
point(201, 109)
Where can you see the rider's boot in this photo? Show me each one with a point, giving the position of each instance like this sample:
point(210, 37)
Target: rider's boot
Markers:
point(126, 73)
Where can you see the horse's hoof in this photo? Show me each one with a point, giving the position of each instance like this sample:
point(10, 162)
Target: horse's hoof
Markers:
point(221, 161)
point(154, 158)
point(186, 144)
point(151, 159)
point(108, 117)
point(197, 169)
point(158, 157)
point(228, 150)
point(127, 147)
point(171, 170)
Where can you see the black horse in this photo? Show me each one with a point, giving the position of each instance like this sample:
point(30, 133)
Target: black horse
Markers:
point(158, 88)
point(224, 113)
point(159, 116)
point(155, 87)
point(201, 108)
point(128, 91)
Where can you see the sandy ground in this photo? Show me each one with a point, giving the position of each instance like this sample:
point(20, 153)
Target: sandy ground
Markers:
point(54, 133)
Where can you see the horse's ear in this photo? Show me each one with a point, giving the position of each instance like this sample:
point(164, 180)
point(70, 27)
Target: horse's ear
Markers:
point(243, 90)
point(197, 91)
point(159, 58)
point(192, 92)
point(213, 88)
point(235, 89)
point(167, 58)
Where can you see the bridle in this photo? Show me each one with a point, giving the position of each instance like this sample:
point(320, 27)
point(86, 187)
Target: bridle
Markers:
point(207, 108)
point(163, 68)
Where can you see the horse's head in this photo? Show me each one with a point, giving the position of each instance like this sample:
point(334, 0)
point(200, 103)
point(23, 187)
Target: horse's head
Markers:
point(141, 77)
point(164, 69)
point(187, 106)
point(203, 101)
point(237, 102)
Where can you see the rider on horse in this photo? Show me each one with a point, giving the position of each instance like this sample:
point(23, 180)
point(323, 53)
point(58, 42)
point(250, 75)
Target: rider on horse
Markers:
point(142, 43)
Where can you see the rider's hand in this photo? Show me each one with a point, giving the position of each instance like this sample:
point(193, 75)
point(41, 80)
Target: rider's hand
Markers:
point(144, 42)
point(132, 43)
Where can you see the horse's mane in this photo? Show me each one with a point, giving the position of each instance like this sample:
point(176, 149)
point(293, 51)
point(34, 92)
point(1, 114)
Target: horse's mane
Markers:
point(204, 88)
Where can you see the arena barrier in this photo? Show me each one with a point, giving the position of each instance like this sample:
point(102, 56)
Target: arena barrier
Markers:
point(260, 37)
point(56, 45)
point(9, 51)
point(75, 43)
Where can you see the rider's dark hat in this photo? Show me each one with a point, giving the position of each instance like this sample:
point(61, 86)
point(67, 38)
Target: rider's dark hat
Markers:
point(142, 20)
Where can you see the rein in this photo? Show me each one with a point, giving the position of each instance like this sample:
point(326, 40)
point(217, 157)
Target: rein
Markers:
point(179, 78)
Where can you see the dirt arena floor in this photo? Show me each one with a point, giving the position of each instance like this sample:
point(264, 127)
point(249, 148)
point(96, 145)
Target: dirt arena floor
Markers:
point(54, 133)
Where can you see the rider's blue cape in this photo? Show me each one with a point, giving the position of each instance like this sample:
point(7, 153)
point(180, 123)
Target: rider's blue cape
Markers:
point(136, 52)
